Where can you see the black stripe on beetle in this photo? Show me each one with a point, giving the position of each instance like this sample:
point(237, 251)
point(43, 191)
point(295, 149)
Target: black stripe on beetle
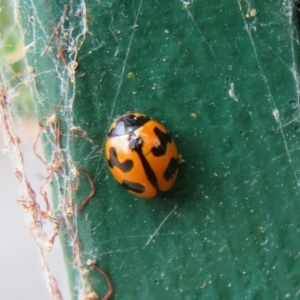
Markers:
point(164, 138)
point(136, 144)
point(113, 161)
point(133, 186)
point(171, 169)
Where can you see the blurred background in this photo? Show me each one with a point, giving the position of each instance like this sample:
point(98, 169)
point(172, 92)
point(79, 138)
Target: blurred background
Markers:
point(21, 273)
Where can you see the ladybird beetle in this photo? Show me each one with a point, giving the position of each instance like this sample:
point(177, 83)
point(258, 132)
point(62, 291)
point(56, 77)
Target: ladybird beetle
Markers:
point(141, 155)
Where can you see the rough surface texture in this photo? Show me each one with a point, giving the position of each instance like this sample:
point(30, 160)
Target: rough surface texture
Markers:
point(222, 77)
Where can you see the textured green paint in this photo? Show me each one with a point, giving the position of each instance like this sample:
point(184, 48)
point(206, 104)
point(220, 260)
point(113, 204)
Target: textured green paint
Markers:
point(234, 232)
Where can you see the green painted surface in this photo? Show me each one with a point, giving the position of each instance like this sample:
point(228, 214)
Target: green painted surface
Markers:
point(229, 229)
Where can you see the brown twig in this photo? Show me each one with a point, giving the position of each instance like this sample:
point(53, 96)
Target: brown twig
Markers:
point(91, 194)
point(56, 30)
point(108, 281)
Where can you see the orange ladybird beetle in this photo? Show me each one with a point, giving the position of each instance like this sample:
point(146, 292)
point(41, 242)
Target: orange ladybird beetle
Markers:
point(141, 155)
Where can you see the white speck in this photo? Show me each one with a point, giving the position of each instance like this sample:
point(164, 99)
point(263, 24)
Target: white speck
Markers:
point(276, 115)
point(186, 4)
point(231, 92)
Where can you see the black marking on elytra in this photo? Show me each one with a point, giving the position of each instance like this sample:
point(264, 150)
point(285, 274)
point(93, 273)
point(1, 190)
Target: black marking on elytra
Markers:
point(133, 186)
point(171, 169)
point(137, 145)
point(164, 138)
point(113, 161)
point(128, 123)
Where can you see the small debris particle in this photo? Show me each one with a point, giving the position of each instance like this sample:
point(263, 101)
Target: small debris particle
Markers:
point(231, 92)
point(251, 13)
point(180, 159)
point(131, 75)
